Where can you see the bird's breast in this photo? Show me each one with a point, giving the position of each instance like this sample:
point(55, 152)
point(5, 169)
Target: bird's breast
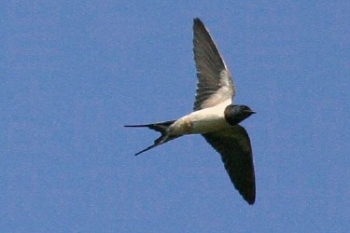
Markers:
point(198, 122)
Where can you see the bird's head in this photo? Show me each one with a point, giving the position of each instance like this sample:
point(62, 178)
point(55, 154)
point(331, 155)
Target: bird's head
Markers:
point(234, 114)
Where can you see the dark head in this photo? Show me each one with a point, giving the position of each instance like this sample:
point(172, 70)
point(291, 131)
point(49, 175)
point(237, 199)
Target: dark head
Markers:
point(234, 114)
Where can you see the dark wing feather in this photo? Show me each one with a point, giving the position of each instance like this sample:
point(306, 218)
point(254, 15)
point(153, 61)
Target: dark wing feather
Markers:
point(215, 83)
point(233, 144)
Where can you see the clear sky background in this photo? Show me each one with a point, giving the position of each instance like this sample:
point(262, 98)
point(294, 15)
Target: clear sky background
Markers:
point(72, 73)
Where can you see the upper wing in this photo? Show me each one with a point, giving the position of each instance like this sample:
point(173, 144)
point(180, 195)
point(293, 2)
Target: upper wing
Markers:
point(236, 152)
point(215, 83)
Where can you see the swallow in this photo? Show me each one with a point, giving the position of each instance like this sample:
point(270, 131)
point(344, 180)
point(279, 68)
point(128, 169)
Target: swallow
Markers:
point(215, 116)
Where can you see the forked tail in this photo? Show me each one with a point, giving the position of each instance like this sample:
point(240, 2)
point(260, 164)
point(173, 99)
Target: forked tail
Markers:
point(160, 127)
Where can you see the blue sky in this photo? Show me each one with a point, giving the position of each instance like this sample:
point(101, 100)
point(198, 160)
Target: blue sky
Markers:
point(73, 73)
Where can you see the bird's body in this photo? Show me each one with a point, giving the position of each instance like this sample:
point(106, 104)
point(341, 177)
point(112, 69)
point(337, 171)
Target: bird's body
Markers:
point(215, 116)
point(201, 121)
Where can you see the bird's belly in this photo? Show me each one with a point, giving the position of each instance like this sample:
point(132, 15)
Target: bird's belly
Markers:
point(202, 121)
point(208, 125)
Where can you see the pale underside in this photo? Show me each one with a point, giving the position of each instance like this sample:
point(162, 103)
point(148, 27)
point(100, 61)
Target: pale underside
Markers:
point(202, 121)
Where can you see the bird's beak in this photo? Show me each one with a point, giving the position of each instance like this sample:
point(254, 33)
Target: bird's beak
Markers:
point(251, 112)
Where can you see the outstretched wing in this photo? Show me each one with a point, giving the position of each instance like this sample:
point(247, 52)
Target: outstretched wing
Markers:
point(233, 144)
point(215, 83)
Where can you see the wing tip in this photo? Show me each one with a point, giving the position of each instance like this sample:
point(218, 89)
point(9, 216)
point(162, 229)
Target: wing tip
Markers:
point(197, 22)
point(250, 200)
point(248, 194)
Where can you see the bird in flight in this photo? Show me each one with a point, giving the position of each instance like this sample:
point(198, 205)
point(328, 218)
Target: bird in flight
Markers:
point(215, 116)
